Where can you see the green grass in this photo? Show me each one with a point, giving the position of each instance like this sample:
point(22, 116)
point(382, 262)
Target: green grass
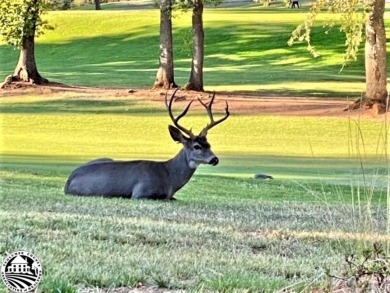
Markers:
point(117, 125)
point(246, 50)
point(227, 232)
point(222, 234)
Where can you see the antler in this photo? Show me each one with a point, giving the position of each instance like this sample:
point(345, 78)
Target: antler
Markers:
point(210, 113)
point(176, 120)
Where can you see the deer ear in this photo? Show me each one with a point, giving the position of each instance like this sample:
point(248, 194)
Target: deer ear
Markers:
point(177, 135)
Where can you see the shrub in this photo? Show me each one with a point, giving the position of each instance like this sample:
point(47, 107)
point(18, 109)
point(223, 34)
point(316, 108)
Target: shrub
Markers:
point(365, 272)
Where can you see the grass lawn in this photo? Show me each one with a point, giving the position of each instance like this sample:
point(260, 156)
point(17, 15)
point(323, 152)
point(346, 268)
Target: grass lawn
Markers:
point(246, 50)
point(227, 232)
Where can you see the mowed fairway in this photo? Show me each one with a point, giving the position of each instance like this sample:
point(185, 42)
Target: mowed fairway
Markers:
point(227, 232)
point(246, 50)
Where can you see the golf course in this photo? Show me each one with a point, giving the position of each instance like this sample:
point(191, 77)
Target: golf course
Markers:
point(328, 201)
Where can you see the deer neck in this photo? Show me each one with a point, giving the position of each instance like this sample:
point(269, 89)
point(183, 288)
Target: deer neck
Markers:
point(180, 170)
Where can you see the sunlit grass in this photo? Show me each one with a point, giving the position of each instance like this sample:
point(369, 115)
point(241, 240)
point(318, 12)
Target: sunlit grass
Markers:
point(100, 121)
point(319, 89)
point(78, 128)
point(246, 49)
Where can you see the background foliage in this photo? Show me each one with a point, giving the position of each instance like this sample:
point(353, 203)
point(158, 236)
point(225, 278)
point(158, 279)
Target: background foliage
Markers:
point(13, 16)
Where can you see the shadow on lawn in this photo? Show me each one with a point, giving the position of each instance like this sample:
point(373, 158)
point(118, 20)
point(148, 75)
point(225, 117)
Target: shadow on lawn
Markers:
point(244, 54)
point(81, 106)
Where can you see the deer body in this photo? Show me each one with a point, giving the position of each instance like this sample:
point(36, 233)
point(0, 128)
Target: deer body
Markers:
point(131, 179)
point(146, 179)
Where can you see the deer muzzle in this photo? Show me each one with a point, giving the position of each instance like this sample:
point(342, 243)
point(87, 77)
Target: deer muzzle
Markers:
point(214, 161)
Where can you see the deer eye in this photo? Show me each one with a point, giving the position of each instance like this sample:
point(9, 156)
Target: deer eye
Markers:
point(197, 147)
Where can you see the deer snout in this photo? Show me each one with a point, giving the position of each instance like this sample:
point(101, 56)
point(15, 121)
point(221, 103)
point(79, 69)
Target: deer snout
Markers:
point(214, 161)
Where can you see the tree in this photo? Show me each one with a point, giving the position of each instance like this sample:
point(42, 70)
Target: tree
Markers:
point(375, 56)
point(355, 16)
point(196, 76)
point(97, 5)
point(165, 74)
point(20, 23)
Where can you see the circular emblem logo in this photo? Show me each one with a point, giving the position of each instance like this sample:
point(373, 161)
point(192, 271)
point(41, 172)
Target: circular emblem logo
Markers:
point(21, 271)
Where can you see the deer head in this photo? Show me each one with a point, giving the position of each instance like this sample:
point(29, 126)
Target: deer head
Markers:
point(196, 147)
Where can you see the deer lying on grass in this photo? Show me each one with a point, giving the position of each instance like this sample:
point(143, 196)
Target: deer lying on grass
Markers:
point(149, 179)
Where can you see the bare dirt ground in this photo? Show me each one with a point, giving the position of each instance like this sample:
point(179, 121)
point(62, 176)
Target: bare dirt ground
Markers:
point(239, 103)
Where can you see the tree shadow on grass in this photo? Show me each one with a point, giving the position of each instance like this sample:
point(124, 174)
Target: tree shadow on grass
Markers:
point(244, 54)
point(80, 106)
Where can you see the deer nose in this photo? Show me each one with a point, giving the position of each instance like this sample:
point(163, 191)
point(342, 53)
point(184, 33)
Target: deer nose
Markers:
point(214, 161)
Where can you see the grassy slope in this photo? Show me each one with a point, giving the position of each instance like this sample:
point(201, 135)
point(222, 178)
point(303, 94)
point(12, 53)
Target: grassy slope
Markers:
point(222, 234)
point(246, 49)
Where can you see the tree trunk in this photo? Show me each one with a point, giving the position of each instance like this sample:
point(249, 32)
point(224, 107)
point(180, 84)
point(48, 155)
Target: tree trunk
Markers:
point(196, 77)
point(165, 74)
point(375, 56)
point(26, 69)
point(97, 5)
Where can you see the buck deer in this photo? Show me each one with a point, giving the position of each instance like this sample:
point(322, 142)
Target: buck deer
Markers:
point(149, 179)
